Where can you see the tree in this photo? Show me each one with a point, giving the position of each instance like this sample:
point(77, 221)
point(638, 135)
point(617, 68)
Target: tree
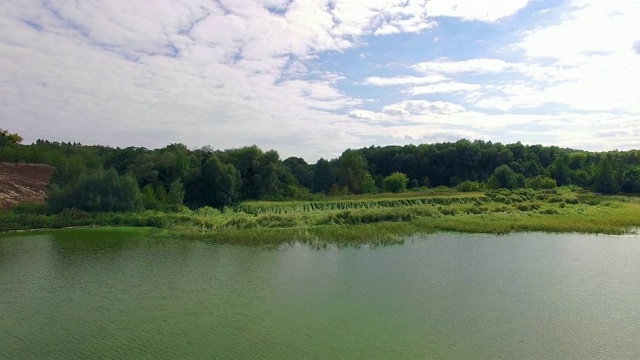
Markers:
point(149, 199)
point(353, 173)
point(605, 176)
point(396, 182)
point(176, 193)
point(7, 138)
point(104, 190)
point(368, 184)
point(262, 173)
point(220, 183)
point(300, 170)
point(324, 176)
point(559, 169)
point(468, 186)
point(631, 182)
point(503, 177)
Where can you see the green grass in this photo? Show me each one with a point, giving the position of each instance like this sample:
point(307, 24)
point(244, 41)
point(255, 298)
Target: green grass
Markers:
point(377, 219)
point(360, 202)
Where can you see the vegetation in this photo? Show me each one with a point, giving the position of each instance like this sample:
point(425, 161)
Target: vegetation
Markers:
point(372, 193)
point(372, 219)
point(396, 182)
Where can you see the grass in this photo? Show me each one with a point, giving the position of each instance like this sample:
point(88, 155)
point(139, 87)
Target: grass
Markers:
point(378, 219)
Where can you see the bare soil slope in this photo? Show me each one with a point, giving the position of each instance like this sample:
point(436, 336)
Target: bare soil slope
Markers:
point(23, 183)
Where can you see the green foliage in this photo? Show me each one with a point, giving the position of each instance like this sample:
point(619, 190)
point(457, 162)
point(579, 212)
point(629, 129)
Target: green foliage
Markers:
point(262, 174)
point(364, 220)
point(396, 182)
point(175, 175)
point(176, 194)
point(104, 190)
point(219, 183)
point(605, 177)
point(559, 170)
point(324, 176)
point(6, 138)
point(338, 191)
point(548, 183)
point(149, 199)
point(502, 178)
point(540, 182)
point(368, 184)
point(302, 171)
point(468, 186)
point(353, 173)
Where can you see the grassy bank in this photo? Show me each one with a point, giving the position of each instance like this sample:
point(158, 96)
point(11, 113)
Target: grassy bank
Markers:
point(382, 218)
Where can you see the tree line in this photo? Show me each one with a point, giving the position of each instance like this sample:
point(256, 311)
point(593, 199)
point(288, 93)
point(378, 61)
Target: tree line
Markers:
point(102, 178)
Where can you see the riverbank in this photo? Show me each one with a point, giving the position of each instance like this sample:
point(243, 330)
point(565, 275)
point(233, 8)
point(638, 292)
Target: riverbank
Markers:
point(382, 218)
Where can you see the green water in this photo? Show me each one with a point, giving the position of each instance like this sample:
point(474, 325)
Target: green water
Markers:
point(120, 294)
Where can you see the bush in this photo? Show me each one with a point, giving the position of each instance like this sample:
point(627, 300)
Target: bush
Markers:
point(103, 190)
point(548, 183)
point(549, 211)
point(468, 186)
point(396, 182)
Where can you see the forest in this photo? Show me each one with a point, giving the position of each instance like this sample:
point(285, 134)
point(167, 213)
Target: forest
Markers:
point(97, 178)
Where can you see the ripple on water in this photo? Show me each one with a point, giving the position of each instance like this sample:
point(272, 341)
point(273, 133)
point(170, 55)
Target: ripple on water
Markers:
point(521, 296)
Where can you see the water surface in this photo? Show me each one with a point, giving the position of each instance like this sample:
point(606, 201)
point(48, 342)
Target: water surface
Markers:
point(121, 294)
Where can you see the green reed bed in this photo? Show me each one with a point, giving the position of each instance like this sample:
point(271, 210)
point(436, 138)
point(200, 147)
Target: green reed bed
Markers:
point(364, 202)
point(370, 220)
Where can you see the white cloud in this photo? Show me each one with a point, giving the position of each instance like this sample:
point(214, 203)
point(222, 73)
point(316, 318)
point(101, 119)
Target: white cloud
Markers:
point(482, 10)
point(443, 88)
point(222, 72)
point(404, 80)
point(446, 66)
point(386, 30)
point(362, 114)
point(422, 107)
point(590, 26)
point(236, 72)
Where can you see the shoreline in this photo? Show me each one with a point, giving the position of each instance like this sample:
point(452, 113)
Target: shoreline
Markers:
point(372, 220)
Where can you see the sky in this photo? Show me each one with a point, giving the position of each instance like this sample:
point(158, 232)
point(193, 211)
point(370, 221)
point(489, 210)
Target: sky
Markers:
point(311, 78)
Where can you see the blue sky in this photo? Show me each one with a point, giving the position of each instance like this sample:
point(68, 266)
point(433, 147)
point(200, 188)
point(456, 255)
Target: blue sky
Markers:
point(312, 78)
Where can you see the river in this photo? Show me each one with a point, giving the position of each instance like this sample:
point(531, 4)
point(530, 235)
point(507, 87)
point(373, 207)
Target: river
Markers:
point(118, 293)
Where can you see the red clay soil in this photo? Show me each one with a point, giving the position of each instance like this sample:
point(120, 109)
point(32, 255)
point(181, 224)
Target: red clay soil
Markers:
point(23, 183)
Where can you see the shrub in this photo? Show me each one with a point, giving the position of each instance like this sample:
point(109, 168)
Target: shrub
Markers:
point(549, 211)
point(468, 186)
point(548, 183)
point(396, 182)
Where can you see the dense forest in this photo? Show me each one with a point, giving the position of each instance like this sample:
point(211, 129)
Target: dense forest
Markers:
point(102, 178)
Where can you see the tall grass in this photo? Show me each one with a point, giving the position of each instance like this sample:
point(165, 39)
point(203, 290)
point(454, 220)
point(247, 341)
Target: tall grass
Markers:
point(374, 220)
point(261, 207)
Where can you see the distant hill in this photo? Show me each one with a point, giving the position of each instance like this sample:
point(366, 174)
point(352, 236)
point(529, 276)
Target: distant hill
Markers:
point(23, 183)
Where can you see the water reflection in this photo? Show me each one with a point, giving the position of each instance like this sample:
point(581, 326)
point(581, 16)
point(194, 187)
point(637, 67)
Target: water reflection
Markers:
point(115, 293)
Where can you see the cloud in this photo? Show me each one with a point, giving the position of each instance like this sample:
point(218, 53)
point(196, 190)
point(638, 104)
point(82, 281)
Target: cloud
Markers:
point(395, 111)
point(422, 107)
point(590, 27)
point(404, 80)
point(481, 10)
point(362, 114)
point(447, 87)
point(271, 72)
point(636, 47)
point(201, 72)
point(481, 65)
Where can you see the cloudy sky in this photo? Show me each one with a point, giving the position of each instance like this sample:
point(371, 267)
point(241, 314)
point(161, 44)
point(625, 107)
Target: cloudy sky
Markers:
point(311, 78)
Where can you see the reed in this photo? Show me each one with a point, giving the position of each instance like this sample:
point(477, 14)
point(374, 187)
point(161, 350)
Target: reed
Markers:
point(379, 219)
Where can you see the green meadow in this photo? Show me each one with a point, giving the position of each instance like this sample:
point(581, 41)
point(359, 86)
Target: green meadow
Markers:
point(371, 219)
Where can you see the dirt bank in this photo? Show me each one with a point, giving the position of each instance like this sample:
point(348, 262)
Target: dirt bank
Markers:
point(23, 183)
